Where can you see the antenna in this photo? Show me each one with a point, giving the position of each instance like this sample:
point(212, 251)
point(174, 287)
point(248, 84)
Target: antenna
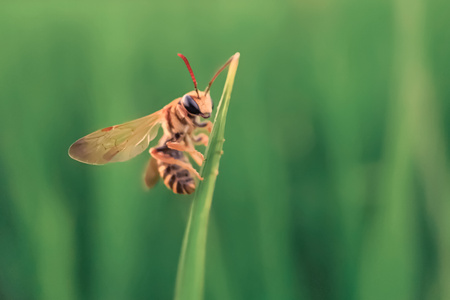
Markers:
point(190, 72)
point(217, 74)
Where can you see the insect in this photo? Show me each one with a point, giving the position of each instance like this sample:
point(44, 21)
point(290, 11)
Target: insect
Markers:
point(180, 121)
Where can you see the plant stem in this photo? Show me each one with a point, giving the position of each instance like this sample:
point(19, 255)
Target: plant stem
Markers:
point(191, 267)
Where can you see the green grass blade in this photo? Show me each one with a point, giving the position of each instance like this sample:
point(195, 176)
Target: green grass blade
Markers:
point(191, 267)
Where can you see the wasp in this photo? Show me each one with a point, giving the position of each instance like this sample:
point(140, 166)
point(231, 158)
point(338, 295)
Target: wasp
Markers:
point(181, 123)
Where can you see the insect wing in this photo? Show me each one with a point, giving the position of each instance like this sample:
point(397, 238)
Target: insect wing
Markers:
point(151, 176)
point(116, 143)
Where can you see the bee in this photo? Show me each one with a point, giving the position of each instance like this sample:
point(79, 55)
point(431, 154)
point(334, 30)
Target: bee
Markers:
point(180, 121)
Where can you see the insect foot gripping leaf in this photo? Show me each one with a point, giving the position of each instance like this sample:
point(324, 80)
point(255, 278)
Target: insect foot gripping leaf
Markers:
point(190, 277)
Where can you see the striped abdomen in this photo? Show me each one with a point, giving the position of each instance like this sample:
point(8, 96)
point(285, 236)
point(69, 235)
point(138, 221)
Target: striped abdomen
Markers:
point(176, 178)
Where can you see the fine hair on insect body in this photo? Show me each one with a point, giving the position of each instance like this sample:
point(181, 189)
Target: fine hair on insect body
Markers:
point(181, 123)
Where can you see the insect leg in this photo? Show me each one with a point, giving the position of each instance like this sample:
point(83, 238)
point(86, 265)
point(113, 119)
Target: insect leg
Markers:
point(201, 139)
point(170, 160)
point(190, 143)
point(197, 156)
point(208, 125)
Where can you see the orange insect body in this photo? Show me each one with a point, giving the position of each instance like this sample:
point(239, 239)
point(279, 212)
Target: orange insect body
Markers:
point(180, 120)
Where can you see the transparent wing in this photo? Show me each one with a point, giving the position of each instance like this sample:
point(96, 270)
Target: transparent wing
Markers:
point(116, 143)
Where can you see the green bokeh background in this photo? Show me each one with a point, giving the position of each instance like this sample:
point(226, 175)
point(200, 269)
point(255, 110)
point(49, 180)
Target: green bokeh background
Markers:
point(335, 179)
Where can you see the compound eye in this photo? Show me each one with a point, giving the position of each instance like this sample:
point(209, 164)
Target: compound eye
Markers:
point(190, 105)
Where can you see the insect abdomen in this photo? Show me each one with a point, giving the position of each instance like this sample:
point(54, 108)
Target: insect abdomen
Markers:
point(176, 178)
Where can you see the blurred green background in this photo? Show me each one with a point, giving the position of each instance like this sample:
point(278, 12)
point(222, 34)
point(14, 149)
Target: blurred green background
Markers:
point(335, 179)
